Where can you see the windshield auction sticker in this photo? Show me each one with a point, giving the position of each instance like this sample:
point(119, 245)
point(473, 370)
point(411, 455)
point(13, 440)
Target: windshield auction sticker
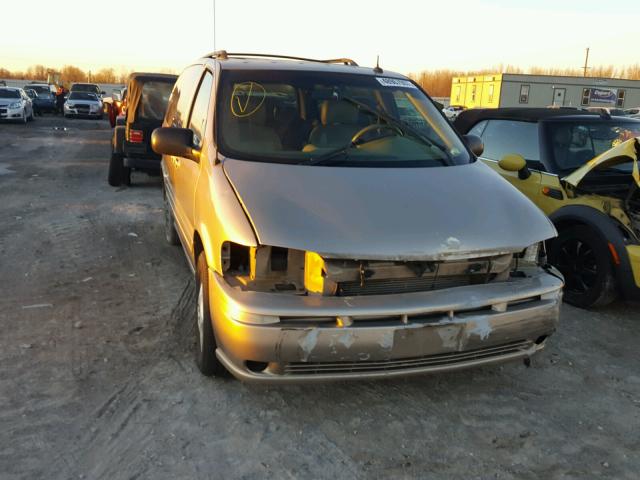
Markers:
point(395, 82)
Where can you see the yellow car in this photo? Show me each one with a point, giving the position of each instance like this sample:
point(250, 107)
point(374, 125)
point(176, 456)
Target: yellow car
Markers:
point(581, 169)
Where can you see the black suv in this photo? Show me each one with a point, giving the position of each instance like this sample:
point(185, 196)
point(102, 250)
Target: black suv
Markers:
point(147, 99)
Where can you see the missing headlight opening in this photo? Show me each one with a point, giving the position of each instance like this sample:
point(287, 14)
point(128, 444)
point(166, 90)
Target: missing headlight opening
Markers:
point(275, 269)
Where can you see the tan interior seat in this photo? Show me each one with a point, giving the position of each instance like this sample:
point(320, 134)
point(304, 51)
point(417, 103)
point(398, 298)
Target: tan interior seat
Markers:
point(338, 123)
point(251, 133)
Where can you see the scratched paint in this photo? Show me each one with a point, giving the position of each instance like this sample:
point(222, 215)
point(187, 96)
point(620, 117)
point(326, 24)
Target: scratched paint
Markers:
point(449, 336)
point(308, 343)
point(347, 339)
point(386, 341)
point(481, 327)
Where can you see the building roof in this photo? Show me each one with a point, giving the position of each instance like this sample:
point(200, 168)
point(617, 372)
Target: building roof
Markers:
point(469, 118)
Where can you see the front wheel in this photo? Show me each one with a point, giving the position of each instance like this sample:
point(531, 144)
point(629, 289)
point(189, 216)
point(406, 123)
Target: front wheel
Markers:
point(584, 259)
point(205, 352)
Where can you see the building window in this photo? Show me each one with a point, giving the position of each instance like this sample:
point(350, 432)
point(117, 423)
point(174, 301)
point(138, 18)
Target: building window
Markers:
point(491, 93)
point(586, 93)
point(473, 93)
point(524, 93)
point(620, 101)
point(458, 89)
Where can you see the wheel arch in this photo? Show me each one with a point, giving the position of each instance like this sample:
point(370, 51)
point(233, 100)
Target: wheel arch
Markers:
point(607, 228)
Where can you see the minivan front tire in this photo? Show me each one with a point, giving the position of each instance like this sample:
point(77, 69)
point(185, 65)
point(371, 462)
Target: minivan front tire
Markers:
point(205, 350)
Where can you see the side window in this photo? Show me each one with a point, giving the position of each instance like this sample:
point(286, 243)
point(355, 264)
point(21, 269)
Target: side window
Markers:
point(501, 137)
point(181, 97)
point(478, 129)
point(198, 120)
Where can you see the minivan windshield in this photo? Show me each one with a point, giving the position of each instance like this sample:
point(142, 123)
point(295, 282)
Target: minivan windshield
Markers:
point(328, 118)
point(573, 143)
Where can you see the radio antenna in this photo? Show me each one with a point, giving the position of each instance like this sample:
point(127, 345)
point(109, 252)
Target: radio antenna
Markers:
point(377, 69)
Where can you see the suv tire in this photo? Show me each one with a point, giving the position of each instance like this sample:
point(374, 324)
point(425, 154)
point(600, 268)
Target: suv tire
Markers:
point(116, 170)
point(205, 351)
point(583, 257)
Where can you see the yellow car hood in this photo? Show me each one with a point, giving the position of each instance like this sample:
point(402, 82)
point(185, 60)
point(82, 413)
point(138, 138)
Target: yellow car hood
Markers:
point(628, 151)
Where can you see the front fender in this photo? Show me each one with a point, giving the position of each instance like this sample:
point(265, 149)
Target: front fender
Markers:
point(220, 217)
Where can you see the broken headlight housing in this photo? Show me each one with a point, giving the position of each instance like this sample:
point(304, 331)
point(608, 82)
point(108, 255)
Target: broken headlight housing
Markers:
point(531, 257)
point(263, 268)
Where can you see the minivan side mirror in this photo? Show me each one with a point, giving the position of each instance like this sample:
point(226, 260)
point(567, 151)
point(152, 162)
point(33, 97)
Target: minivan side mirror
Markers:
point(177, 142)
point(512, 162)
point(475, 144)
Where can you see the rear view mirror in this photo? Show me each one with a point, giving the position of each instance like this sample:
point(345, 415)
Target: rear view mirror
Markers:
point(475, 144)
point(512, 162)
point(177, 142)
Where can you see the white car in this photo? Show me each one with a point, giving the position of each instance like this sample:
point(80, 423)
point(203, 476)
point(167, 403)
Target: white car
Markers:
point(452, 111)
point(83, 104)
point(15, 105)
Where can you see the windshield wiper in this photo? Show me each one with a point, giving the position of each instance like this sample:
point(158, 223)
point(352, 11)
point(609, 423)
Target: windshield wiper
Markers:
point(403, 126)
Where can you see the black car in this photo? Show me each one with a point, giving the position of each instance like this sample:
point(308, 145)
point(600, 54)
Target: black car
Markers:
point(45, 101)
point(147, 98)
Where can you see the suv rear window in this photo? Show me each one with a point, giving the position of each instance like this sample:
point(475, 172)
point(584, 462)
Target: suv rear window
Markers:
point(155, 97)
point(309, 117)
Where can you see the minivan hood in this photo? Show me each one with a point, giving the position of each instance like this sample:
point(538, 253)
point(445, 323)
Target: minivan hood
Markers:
point(628, 151)
point(387, 213)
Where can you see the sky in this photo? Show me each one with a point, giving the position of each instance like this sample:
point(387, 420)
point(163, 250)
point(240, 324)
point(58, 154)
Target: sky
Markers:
point(408, 35)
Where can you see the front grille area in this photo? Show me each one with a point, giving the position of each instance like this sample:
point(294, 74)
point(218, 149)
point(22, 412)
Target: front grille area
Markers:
point(443, 359)
point(3, 112)
point(82, 108)
point(408, 285)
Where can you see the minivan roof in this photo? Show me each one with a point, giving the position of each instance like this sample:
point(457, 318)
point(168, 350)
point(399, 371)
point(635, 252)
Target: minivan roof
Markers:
point(266, 62)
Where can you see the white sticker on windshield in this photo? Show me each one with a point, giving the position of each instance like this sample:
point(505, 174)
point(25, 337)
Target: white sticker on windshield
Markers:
point(395, 82)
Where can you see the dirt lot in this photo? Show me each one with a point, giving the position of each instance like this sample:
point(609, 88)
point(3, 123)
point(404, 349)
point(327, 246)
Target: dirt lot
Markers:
point(97, 380)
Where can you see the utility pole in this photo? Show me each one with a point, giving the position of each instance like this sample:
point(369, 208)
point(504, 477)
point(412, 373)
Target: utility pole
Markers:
point(586, 63)
point(214, 25)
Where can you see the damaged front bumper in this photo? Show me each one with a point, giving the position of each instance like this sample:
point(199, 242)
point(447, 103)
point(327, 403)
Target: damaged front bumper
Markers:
point(319, 338)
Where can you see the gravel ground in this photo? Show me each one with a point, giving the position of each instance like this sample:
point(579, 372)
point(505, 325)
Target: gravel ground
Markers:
point(97, 379)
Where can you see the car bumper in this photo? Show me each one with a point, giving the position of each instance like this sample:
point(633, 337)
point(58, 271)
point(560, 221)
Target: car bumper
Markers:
point(81, 113)
point(11, 113)
point(386, 336)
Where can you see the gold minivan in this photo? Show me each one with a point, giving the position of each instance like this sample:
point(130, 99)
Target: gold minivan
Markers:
point(339, 228)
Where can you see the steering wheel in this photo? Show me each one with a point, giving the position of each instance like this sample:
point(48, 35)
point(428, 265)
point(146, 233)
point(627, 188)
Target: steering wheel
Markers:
point(376, 126)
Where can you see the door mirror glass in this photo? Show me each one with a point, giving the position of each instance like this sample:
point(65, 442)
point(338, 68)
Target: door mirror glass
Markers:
point(475, 144)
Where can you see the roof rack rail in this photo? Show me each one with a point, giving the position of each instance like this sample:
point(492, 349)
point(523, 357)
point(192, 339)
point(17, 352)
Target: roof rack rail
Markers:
point(223, 55)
